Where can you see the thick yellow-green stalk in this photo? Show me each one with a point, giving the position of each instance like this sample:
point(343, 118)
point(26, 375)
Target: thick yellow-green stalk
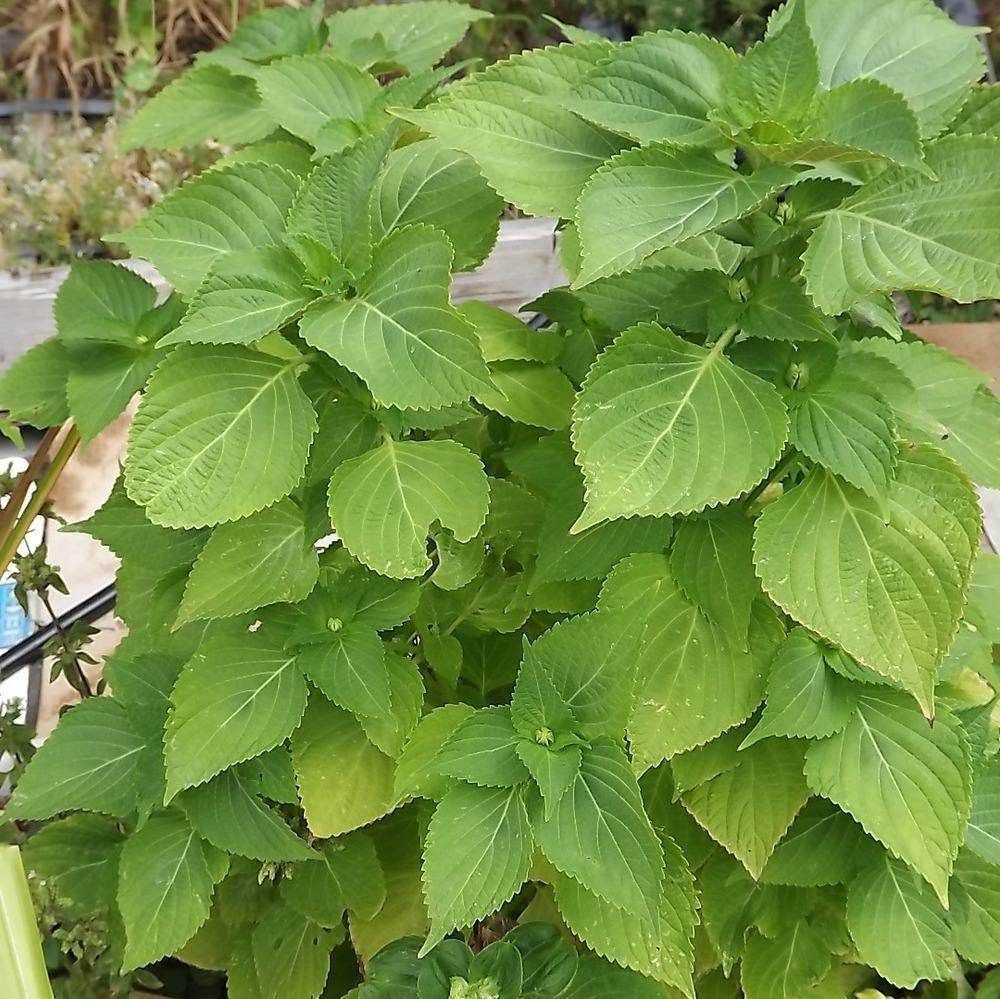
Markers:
point(22, 968)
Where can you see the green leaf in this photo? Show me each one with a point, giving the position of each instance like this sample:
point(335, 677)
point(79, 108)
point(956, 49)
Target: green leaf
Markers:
point(268, 34)
point(732, 904)
point(847, 427)
point(646, 199)
point(418, 34)
point(600, 836)
point(333, 205)
point(360, 596)
point(907, 44)
point(348, 666)
point(416, 771)
point(657, 86)
point(482, 751)
point(152, 587)
point(700, 765)
point(383, 504)
point(254, 425)
point(984, 596)
point(241, 972)
point(512, 120)
point(91, 761)
point(681, 650)
point(589, 660)
point(983, 832)
point(944, 383)
point(974, 894)
point(457, 564)
point(969, 439)
point(331, 742)
point(426, 183)
point(661, 948)
point(805, 698)
point(679, 293)
point(780, 310)
point(862, 116)
point(824, 846)
point(244, 297)
point(696, 430)
point(292, 954)
point(102, 380)
point(749, 807)
point(776, 78)
point(980, 114)
point(227, 814)
point(889, 903)
point(503, 337)
point(477, 854)
point(304, 92)
point(400, 333)
point(348, 876)
point(206, 102)
point(110, 358)
point(591, 553)
point(900, 579)
point(941, 400)
point(389, 732)
point(77, 858)
point(537, 394)
point(346, 429)
point(537, 705)
point(222, 211)
point(264, 559)
point(711, 562)
point(12, 432)
point(907, 782)
point(397, 843)
point(142, 682)
point(907, 230)
point(270, 775)
point(101, 301)
point(289, 154)
point(123, 527)
point(787, 966)
point(553, 769)
point(33, 388)
point(239, 696)
point(596, 979)
point(167, 879)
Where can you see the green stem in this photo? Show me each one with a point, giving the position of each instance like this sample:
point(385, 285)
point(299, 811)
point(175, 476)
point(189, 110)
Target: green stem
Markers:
point(22, 965)
point(12, 540)
point(725, 339)
point(779, 471)
point(78, 681)
point(963, 990)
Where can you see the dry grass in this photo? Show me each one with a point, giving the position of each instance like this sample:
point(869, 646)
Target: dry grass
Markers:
point(81, 48)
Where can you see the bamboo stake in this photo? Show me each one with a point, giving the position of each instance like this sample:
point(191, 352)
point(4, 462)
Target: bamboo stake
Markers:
point(20, 491)
point(12, 539)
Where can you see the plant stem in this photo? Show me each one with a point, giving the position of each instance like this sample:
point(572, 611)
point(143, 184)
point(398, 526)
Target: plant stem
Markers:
point(779, 471)
point(20, 491)
point(21, 963)
point(11, 541)
point(78, 681)
point(724, 340)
